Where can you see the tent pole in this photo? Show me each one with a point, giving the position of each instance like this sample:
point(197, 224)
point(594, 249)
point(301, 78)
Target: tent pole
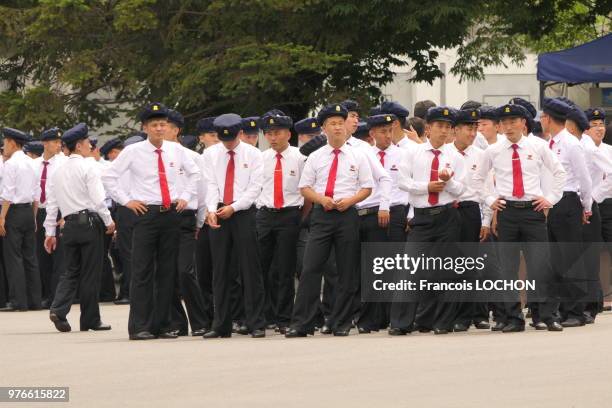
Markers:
point(542, 88)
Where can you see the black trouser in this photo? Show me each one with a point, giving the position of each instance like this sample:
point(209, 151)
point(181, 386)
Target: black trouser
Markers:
point(4, 296)
point(237, 238)
point(186, 283)
point(83, 248)
point(397, 223)
point(50, 265)
point(107, 280)
point(471, 223)
point(20, 258)
point(277, 235)
point(328, 229)
point(125, 219)
point(524, 225)
point(430, 312)
point(565, 227)
point(373, 315)
point(205, 274)
point(155, 243)
point(592, 238)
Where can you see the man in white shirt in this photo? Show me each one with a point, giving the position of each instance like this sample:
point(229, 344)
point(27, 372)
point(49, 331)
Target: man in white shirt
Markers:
point(20, 194)
point(153, 168)
point(234, 176)
point(279, 217)
point(186, 282)
point(75, 190)
point(335, 178)
point(376, 211)
point(50, 265)
point(434, 179)
point(306, 129)
point(521, 206)
point(400, 136)
point(565, 219)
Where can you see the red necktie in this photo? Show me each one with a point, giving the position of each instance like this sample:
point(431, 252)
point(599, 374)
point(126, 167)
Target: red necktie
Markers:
point(462, 152)
point(517, 174)
point(331, 179)
point(278, 182)
point(382, 158)
point(43, 182)
point(228, 190)
point(433, 176)
point(163, 181)
point(551, 143)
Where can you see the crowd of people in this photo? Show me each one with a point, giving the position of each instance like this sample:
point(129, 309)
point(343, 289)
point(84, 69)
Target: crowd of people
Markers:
point(210, 233)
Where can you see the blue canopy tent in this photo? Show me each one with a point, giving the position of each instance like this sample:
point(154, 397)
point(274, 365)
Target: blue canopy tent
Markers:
point(590, 62)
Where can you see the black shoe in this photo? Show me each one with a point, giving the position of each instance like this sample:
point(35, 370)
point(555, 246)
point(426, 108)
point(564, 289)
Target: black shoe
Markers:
point(143, 335)
point(394, 331)
point(460, 327)
point(99, 327)
point(325, 329)
point(212, 334)
point(588, 318)
point(293, 333)
point(499, 326)
point(258, 333)
point(539, 325)
point(513, 328)
point(422, 329)
point(244, 330)
point(482, 324)
point(122, 301)
point(363, 330)
point(440, 331)
point(45, 304)
point(554, 326)
point(13, 308)
point(181, 332)
point(342, 333)
point(61, 325)
point(235, 327)
point(168, 335)
point(572, 322)
point(282, 329)
point(199, 332)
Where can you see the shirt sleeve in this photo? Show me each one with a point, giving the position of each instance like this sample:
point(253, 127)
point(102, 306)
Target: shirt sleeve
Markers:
point(486, 196)
point(212, 187)
point(552, 163)
point(95, 190)
point(383, 179)
point(50, 223)
point(202, 187)
point(9, 185)
point(582, 173)
point(255, 183)
point(308, 177)
point(406, 178)
point(191, 169)
point(110, 177)
point(365, 172)
point(456, 184)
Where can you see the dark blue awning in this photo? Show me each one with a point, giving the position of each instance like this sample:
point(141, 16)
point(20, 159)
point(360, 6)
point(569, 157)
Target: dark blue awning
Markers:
point(590, 62)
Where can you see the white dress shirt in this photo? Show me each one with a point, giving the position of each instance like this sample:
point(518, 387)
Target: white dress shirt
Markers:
point(353, 172)
point(248, 167)
point(380, 197)
point(54, 163)
point(292, 163)
point(140, 163)
point(599, 160)
point(74, 187)
point(415, 173)
point(534, 157)
point(570, 152)
point(354, 142)
point(19, 182)
point(407, 143)
point(183, 179)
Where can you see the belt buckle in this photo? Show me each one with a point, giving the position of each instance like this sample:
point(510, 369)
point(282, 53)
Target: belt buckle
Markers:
point(435, 211)
point(521, 204)
point(163, 209)
point(362, 212)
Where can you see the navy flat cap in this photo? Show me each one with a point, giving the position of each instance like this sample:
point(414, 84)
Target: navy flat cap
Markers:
point(17, 135)
point(488, 112)
point(228, 126)
point(51, 134)
point(508, 111)
point(577, 116)
point(75, 133)
point(176, 118)
point(331, 111)
point(189, 141)
point(350, 105)
point(595, 114)
point(115, 143)
point(35, 146)
point(308, 125)
point(525, 104)
point(275, 122)
point(555, 108)
point(467, 116)
point(205, 125)
point(153, 110)
point(133, 139)
point(393, 108)
point(380, 120)
point(362, 131)
point(250, 125)
point(440, 113)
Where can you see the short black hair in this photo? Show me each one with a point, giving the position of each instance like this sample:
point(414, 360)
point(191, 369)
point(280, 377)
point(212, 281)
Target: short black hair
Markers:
point(418, 125)
point(421, 108)
point(19, 143)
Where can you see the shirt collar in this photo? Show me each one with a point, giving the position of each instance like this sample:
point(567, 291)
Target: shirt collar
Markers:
point(152, 148)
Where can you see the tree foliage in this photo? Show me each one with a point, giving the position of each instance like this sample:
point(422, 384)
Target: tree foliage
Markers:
point(64, 61)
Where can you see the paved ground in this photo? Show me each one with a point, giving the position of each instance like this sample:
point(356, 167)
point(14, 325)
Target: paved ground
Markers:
point(475, 369)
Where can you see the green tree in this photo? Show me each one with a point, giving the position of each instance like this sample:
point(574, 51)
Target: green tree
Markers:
point(64, 61)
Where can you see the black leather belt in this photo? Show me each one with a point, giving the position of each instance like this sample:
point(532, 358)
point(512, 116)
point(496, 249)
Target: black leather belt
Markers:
point(570, 194)
point(519, 204)
point(188, 213)
point(282, 209)
point(433, 210)
point(161, 208)
point(22, 205)
point(466, 204)
point(607, 201)
point(362, 212)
